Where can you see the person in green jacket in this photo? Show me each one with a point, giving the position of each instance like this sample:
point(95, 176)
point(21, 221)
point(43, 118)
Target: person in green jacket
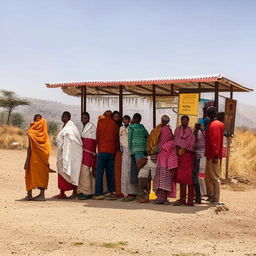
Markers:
point(137, 142)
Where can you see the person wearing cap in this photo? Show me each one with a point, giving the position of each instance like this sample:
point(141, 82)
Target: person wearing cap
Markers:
point(213, 151)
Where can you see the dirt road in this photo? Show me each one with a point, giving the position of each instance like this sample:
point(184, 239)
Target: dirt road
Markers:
point(58, 227)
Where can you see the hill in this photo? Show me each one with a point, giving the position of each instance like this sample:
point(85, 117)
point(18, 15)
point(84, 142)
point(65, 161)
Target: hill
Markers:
point(52, 110)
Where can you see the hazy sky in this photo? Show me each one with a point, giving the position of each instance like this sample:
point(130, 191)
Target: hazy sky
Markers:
point(80, 40)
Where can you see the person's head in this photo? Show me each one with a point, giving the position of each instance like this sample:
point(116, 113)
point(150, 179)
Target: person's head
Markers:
point(184, 121)
point(206, 106)
point(126, 120)
point(66, 116)
point(85, 118)
point(136, 118)
point(37, 117)
point(221, 116)
point(165, 119)
point(116, 115)
point(107, 113)
point(211, 112)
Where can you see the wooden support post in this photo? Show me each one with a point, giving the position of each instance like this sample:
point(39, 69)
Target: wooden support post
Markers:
point(216, 98)
point(229, 140)
point(172, 90)
point(82, 100)
point(85, 98)
point(228, 156)
point(199, 87)
point(231, 92)
point(121, 99)
point(154, 104)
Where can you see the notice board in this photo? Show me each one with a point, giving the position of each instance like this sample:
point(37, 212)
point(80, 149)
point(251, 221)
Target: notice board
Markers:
point(188, 105)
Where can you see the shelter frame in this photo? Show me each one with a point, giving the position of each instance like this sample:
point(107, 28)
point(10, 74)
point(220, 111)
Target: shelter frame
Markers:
point(153, 89)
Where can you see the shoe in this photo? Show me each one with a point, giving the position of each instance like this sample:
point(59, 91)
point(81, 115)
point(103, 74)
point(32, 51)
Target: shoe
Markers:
point(84, 196)
point(217, 203)
point(142, 200)
point(209, 199)
point(128, 199)
point(111, 197)
point(100, 197)
point(159, 202)
point(198, 201)
point(179, 203)
point(189, 204)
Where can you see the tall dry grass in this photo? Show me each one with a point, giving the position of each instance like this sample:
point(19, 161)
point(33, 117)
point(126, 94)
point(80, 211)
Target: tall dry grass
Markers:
point(243, 155)
point(12, 137)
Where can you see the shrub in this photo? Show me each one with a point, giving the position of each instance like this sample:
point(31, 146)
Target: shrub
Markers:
point(242, 156)
point(17, 120)
point(52, 127)
point(12, 138)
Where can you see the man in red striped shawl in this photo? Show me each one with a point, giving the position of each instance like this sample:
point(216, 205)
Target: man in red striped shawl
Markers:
point(167, 162)
point(185, 140)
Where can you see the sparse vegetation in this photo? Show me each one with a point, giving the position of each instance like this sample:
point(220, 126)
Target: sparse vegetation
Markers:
point(243, 152)
point(77, 243)
point(112, 245)
point(12, 138)
point(52, 127)
point(10, 101)
point(17, 120)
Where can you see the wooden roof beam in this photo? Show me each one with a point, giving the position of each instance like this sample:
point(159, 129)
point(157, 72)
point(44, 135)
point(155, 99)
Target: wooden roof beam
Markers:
point(144, 88)
point(102, 90)
point(171, 92)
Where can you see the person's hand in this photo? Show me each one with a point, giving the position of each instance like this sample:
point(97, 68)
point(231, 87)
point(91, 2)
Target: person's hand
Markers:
point(26, 166)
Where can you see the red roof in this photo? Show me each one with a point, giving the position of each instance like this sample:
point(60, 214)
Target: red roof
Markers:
point(163, 86)
point(161, 81)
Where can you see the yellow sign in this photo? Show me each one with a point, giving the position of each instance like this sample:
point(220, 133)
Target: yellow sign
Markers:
point(188, 104)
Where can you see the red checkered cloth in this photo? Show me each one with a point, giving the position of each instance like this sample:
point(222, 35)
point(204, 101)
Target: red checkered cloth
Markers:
point(184, 138)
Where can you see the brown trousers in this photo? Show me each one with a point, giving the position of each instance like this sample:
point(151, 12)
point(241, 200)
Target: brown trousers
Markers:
point(212, 178)
point(86, 181)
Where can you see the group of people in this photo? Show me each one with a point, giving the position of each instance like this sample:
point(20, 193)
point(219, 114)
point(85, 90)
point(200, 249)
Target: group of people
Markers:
point(118, 158)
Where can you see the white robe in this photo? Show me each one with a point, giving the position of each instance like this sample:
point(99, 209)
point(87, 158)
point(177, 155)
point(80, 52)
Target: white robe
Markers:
point(70, 153)
point(89, 131)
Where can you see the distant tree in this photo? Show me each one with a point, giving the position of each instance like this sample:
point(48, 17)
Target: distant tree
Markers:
point(17, 120)
point(52, 127)
point(9, 101)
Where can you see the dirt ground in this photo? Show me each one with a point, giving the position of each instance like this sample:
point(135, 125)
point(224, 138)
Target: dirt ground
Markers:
point(58, 227)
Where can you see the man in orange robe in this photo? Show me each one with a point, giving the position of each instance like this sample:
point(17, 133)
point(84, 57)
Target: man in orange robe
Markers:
point(37, 162)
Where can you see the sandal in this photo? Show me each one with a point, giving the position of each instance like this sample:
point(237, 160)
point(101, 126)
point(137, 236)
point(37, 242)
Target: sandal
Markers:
point(128, 199)
point(27, 198)
point(112, 197)
point(189, 204)
point(179, 202)
point(142, 200)
point(160, 202)
point(60, 197)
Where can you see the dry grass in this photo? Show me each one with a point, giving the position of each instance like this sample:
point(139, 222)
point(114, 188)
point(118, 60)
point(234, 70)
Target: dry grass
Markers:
point(12, 138)
point(243, 155)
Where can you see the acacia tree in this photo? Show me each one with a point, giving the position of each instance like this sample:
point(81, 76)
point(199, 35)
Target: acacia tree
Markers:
point(9, 101)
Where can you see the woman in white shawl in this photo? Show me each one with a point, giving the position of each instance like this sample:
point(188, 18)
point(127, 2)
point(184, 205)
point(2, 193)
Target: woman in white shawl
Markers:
point(69, 158)
point(86, 187)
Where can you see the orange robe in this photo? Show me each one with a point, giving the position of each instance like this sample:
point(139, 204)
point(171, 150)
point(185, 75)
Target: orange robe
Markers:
point(37, 174)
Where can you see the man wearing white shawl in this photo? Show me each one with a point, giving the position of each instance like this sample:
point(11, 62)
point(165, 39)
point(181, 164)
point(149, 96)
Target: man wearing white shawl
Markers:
point(69, 157)
point(86, 187)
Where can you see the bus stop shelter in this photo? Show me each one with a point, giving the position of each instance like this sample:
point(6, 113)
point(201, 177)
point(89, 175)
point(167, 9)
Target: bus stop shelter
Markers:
point(156, 89)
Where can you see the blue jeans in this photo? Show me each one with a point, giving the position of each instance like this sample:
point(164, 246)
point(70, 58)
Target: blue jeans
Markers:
point(105, 161)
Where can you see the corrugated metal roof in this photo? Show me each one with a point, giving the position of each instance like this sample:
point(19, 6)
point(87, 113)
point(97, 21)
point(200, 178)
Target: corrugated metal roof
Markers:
point(167, 80)
point(164, 86)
